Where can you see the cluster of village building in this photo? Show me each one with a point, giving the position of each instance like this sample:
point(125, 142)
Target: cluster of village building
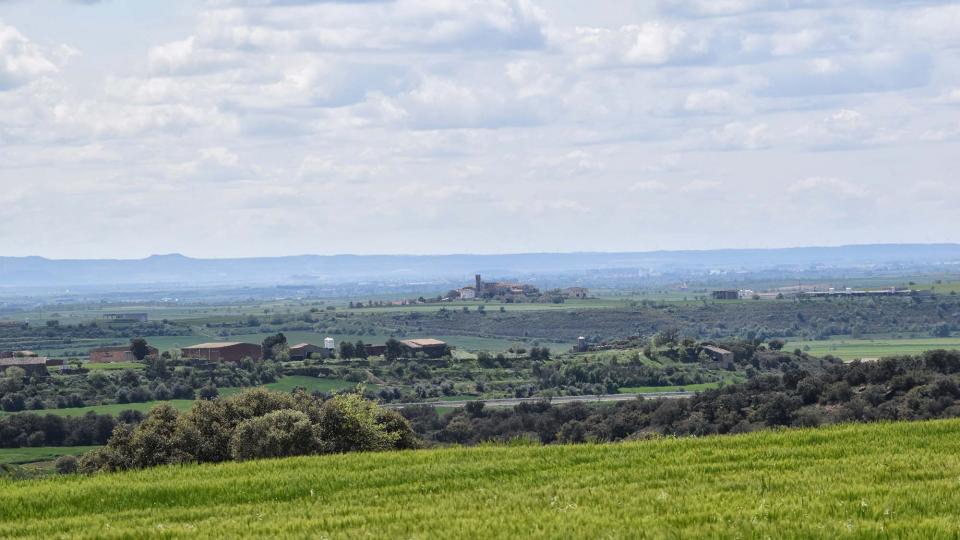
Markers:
point(504, 290)
point(225, 351)
point(219, 351)
point(742, 294)
point(500, 291)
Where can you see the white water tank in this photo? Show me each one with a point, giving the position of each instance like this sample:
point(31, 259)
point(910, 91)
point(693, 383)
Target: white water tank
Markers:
point(328, 343)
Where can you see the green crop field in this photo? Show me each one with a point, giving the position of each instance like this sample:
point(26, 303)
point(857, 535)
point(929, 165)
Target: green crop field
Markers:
point(111, 408)
point(654, 389)
point(42, 453)
point(852, 481)
point(852, 349)
point(490, 307)
point(112, 366)
point(287, 384)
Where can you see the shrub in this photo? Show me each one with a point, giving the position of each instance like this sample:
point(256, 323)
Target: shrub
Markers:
point(67, 464)
point(277, 434)
point(349, 423)
point(153, 441)
point(13, 402)
point(209, 392)
point(475, 408)
point(253, 424)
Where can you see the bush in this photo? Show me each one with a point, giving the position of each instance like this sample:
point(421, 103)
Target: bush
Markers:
point(153, 442)
point(349, 423)
point(13, 402)
point(277, 434)
point(209, 392)
point(252, 424)
point(67, 464)
point(475, 408)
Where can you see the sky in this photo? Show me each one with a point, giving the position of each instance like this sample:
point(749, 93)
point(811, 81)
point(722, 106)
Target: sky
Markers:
point(233, 128)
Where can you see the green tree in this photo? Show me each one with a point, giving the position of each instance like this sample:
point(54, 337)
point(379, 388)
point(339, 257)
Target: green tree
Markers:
point(666, 337)
point(209, 392)
point(12, 380)
point(13, 402)
point(394, 349)
point(346, 349)
point(349, 423)
point(360, 349)
point(153, 442)
point(273, 344)
point(252, 424)
point(474, 408)
point(277, 434)
point(139, 348)
point(941, 330)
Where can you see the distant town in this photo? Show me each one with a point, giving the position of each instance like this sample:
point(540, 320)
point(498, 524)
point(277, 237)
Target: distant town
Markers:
point(508, 292)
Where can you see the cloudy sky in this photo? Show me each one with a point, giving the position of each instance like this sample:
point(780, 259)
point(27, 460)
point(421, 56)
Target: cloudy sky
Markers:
point(274, 127)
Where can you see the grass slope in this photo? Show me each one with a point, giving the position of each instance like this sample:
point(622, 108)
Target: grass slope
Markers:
point(853, 481)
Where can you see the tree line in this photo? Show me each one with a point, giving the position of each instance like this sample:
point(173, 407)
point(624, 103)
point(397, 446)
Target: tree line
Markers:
point(904, 388)
point(254, 424)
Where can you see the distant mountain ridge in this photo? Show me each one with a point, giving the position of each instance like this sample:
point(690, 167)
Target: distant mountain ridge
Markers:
point(179, 269)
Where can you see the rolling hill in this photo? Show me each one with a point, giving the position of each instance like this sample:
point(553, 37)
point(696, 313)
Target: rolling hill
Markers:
point(857, 481)
point(304, 269)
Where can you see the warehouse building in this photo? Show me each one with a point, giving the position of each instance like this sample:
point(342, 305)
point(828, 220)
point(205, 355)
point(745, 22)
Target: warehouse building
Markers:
point(303, 351)
point(226, 351)
point(34, 366)
point(125, 317)
point(433, 348)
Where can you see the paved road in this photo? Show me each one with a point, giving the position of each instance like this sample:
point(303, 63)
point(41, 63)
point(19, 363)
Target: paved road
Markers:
point(512, 402)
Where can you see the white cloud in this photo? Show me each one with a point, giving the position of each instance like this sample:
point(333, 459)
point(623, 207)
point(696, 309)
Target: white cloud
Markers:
point(400, 24)
point(184, 57)
point(876, 72)
point(845, 129)
point(649, 185)
point(739, 136)
point(550, 119)
point(951, 96)
point(701, 186)
point(654, 43)
point(713, 100)
point(20, 59)
point(443, 103)
point(828, 187)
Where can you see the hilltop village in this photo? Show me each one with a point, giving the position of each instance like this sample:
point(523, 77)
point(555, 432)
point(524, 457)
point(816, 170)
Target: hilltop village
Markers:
point(507, 292)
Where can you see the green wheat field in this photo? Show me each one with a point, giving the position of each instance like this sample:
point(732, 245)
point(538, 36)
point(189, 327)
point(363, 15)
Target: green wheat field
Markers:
point(898, 480)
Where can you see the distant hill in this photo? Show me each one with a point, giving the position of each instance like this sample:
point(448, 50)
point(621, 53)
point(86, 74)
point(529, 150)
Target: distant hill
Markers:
point(179, 269)
point(880, 480)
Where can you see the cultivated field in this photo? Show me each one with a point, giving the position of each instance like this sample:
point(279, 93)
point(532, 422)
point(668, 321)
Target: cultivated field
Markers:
point(851, 481)
point(42, 453)
point(110, 408)
point(853, 349)
point(653, 389)
point(310, 384)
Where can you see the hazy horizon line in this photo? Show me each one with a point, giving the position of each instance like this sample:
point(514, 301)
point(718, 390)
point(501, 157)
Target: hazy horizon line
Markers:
point(499, 254)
